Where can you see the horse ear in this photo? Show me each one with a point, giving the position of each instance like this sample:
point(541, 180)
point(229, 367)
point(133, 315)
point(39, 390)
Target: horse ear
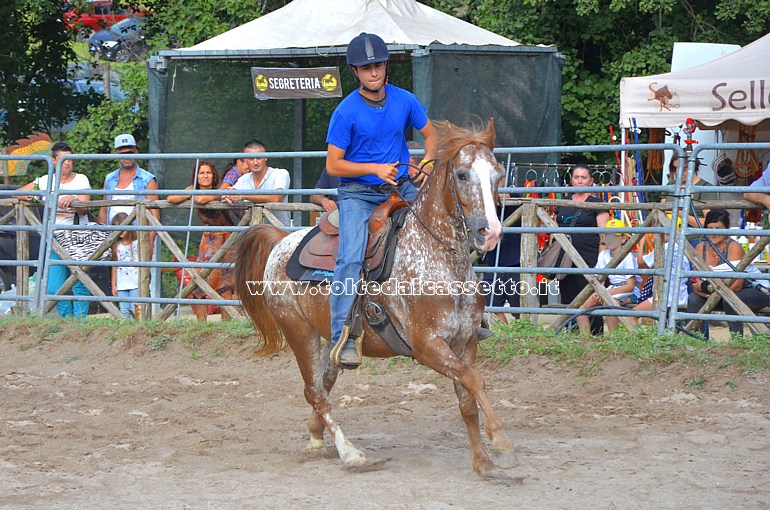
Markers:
point(491, 128)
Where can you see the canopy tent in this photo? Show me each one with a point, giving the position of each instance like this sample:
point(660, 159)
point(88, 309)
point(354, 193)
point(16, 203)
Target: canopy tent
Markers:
point(202, 97)
point(735, 87)
point(314, 24)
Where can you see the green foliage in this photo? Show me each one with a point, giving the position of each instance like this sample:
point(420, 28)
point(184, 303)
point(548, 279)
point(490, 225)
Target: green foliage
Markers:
point(34, 95)
point(605, 41)
point(96, 131)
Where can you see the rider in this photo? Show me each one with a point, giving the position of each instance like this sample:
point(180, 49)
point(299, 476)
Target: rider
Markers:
point(367, 148)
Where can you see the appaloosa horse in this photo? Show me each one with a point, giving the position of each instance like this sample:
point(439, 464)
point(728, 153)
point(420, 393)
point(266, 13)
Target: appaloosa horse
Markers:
point(457, 204)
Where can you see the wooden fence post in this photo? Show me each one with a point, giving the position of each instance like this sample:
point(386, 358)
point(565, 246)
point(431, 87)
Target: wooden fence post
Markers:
point(22, 253)
point(529, 253)
point(144, 309)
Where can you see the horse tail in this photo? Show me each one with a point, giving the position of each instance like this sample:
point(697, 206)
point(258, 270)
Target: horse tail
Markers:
point(253, 251)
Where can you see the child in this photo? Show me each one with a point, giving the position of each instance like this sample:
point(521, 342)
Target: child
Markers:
point(125, 280)
point(676, 294)
point(621, 285)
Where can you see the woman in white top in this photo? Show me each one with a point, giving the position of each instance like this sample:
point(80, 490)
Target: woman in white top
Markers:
point(65, 215)
point(728, 249)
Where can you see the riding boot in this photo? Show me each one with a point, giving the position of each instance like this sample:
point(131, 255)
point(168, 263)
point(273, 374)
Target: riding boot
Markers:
point(347, 352)
point(483, 332)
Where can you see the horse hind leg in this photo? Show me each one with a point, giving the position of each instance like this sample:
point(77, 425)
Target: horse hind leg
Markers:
point(315, 428)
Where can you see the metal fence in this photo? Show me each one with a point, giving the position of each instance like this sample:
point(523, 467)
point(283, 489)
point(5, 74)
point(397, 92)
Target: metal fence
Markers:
point(670, 271)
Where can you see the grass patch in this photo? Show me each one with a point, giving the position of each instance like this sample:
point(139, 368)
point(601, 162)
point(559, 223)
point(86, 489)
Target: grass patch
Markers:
point(522, 338)
point(159, 342)
point(749, 354)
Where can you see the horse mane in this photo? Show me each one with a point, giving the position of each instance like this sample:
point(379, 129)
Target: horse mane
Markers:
point(453, 138)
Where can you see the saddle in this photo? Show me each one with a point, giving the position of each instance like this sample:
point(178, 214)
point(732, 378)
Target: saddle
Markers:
point(315, 257)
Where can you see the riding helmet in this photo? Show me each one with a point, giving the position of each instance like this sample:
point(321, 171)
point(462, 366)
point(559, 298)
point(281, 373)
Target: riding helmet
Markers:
point(367, 49)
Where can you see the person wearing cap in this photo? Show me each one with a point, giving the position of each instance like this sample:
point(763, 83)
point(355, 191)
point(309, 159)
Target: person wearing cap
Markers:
point(367, 148)
point(621, 285)
point(129, 176)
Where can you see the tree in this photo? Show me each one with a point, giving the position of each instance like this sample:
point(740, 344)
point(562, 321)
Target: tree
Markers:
point(605, 41)
point(34, 52)
point(602, 40)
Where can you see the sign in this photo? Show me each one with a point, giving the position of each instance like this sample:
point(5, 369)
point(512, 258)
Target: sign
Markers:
point(296, 83)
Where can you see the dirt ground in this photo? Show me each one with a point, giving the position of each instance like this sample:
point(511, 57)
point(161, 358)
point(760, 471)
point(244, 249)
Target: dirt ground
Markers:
point(88, 423)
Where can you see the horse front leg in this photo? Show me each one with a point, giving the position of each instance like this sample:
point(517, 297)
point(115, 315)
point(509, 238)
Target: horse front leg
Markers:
point(500, 445)
point(469, 386)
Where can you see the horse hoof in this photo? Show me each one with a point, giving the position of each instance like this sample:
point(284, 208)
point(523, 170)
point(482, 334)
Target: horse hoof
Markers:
point(505, 459)
point(315, 445)
point(499, 476)
point(354, 459)
point(367, 466)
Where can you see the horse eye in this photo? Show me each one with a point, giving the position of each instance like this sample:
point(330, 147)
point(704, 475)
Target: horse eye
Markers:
point(463, 176)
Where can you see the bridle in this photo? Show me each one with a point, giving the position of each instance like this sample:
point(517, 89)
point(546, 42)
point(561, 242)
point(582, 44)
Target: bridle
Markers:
point(456, 200)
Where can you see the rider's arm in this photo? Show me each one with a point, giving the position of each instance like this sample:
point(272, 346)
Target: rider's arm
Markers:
point(338, 166)
point(431, 140)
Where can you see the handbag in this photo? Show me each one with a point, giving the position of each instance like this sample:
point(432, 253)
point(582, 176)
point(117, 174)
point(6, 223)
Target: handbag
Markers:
point(81, 244)
point(555, 257)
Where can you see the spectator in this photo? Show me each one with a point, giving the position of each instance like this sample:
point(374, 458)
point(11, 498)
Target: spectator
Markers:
point(66, 215)
point(677, 294)
point(503, 286)
point(125, 279)
point(234, 171)
point(587, 245)
point(621, 285)
point(129, 176)
point(326, 181)
point(222, 280)
point(262, 176)
point(760, 198)
point(717, 253)
point(698, 198)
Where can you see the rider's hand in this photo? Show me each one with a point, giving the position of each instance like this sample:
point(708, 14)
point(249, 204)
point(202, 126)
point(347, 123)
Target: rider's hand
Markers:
point(387, 172)
point(426, 167)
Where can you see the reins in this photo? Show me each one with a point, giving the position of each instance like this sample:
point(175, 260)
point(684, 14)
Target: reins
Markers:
point(409, 206)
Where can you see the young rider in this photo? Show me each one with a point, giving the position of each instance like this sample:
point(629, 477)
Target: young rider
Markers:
point(367, 148)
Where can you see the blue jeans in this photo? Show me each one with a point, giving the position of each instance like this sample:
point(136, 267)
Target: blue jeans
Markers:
point(356, 204)
point(126, 307)
point(57, 275)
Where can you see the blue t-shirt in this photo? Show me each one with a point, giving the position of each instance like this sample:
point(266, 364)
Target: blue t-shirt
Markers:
point(376, 135)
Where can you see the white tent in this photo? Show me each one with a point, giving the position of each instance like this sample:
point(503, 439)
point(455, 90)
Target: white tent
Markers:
point(734, 87)
point(326, 23)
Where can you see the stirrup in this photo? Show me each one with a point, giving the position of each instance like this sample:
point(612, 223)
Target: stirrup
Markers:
point(337, 348)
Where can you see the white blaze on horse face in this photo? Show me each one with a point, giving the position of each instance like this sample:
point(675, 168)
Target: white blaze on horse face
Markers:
point(485, 170)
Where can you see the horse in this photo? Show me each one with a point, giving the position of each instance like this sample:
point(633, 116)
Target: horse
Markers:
point(453, 213)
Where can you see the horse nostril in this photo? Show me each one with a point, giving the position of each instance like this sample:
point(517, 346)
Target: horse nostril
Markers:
point(484, 231)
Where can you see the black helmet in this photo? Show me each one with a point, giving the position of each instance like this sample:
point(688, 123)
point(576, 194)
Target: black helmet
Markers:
point(367, 49)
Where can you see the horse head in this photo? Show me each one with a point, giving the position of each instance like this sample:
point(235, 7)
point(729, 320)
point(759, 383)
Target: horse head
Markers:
point(473, 175)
